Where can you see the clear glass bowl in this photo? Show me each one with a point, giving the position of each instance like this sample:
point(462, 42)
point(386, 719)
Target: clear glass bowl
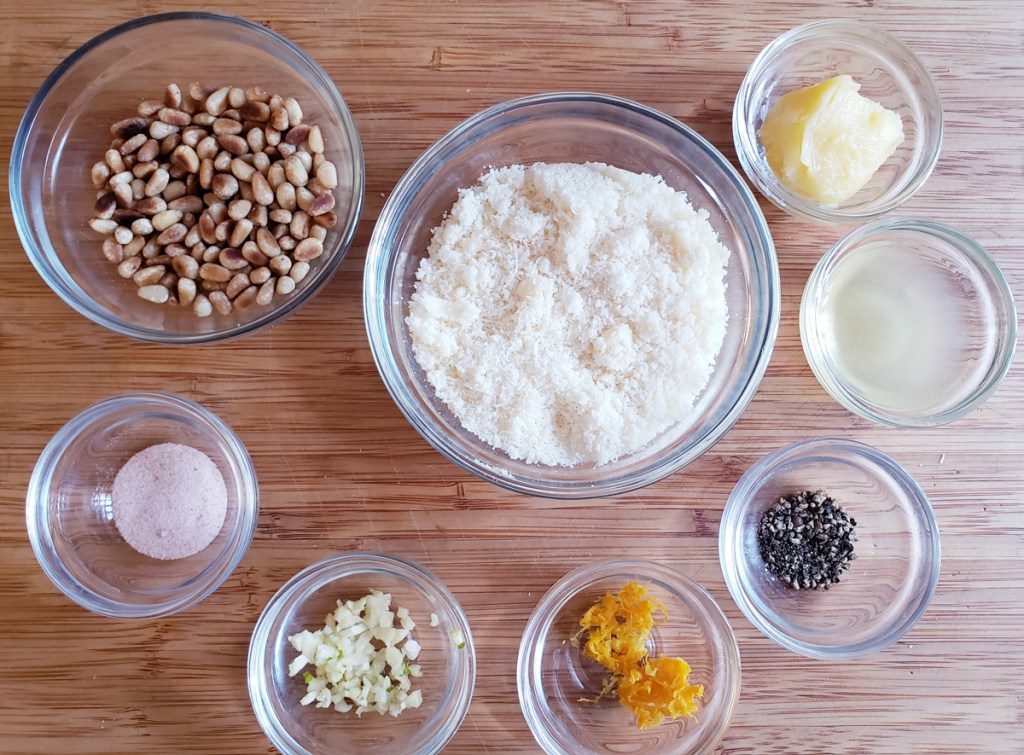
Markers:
point(573, 127)
point(885, 590)
point(70, 516)
point(908, 323)
point(888, 73)
point(553, 675)
point(449, 672)
point(66, 129)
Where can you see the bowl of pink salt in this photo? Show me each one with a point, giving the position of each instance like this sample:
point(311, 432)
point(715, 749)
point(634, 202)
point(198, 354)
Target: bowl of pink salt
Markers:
point(141, 505)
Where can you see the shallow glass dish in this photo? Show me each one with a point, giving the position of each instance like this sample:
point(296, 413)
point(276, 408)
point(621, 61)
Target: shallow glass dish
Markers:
point(449, 671)
point(887, 587)
point(573, 127)
point(66, 129)
point(888, 73)
point(908, 323)
point(553, 675)
point(70, 516)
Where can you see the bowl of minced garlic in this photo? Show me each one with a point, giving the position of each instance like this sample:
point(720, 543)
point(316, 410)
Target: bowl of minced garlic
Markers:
point(621, 653)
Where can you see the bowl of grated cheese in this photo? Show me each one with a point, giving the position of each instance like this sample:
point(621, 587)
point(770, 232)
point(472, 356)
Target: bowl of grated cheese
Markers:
point(571, 295)
point(361, 653)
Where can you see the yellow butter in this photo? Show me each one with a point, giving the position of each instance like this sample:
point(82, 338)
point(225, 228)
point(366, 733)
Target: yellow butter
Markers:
point(826, 141)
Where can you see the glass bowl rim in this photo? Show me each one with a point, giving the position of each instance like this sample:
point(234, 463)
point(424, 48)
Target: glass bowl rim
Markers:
point(375, 303)
point(730, 531)
point(981, 261)
point(582, 577)
point(746, 143)
point(82, 303)
point(39, 524)
point(320, 574)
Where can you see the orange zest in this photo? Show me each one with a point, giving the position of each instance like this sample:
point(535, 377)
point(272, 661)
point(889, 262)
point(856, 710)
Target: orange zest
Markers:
point(618, 628)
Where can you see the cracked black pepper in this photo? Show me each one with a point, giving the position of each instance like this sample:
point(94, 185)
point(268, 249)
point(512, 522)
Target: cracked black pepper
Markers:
point(806, 540)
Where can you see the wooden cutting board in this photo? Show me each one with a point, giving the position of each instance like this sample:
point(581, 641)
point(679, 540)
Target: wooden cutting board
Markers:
point(340, 468)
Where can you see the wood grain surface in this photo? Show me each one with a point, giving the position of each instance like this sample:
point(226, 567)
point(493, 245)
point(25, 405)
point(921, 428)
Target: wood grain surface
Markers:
point(341, 469)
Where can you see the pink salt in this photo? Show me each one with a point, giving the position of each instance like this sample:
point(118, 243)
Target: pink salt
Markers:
point(169, 501)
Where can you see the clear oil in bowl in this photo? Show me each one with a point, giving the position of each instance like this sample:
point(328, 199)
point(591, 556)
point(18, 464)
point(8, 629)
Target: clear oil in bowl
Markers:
point(905, 328)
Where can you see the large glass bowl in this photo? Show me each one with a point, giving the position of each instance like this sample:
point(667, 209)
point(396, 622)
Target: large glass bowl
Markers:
point(66, 129)
point(448, 661)
point(70, 516)
point(554, 676)
point(574, 127)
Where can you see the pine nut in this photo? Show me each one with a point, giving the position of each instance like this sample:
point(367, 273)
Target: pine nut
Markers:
point(280, 265)
point(222, 161)
point(322, 204)
point(286, 196)
point(217, 101)
point(147, 276)
point(185, 266)
point(221, 303)
point(239, 209)
point(149, 108)
point(186, 157)
point(149, 150)
point(247, 298)
point(253, 254)
point(101, 174)
point(308, 249)
point(226, 127)
point(327, 175)
point(238, 283)
point(260, 275)
point(174, 117)
point(291, 105)
point(133, 144)
point(155, 293)
point(266, 292)
point(304, 198)
point(242, 170)
point(161, 130)
point(285, 285)
point(112, 249)
point(224, 185)
point(281, 216)
point(234, 144)
point(211, 271)
point(188, 203)
point(327, 220)
point(240, 232)
point(134, 246)
point(267, 243)
point(105, 206)
point(172, 235)
point(141, 227)
point(186, 291)
point(318, 232)
point(105, 227)
point(299, 271)
point(164, 220)
point(129, 127)
point(157, 182)
point(129, 266)
point(202, 306)
point(261, 189)
point(175, 190)
point(315, 140)
point(279, 119)
point(258, 214)
point(114, 161)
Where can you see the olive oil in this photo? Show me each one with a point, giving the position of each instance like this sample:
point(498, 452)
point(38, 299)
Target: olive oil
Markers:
point(898, 328)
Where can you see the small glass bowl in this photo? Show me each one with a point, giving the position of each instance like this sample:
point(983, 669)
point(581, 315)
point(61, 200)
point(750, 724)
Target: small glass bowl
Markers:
point(888, 73)
point(70, 516)
point(449, 671)
point(66, 129)
point(553, 675)
point(573, 127)
point(887, 587)
point(908, 323)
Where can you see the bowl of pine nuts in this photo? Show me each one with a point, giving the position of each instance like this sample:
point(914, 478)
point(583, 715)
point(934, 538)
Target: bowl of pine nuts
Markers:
point(187, 178)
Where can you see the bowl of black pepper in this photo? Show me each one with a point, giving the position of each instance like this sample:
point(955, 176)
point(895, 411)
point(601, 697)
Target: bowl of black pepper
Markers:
point(830, 548)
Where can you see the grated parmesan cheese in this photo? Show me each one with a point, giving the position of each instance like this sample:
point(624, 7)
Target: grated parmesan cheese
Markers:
point(569, 313)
